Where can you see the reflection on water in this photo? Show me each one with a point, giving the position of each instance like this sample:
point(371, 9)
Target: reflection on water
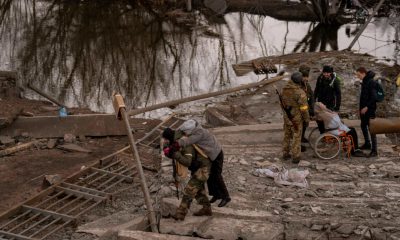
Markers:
point(81, 51)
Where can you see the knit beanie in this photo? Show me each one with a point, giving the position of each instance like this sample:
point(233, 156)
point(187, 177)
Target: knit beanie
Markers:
point(327, 69)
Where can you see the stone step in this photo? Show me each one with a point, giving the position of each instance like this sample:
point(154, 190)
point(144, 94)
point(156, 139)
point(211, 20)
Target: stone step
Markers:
point(118, 221)
point(223, 228)
point(139, 235)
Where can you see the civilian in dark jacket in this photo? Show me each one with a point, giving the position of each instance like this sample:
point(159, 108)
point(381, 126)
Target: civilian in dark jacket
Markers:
point(327, 91)
point(367, 107)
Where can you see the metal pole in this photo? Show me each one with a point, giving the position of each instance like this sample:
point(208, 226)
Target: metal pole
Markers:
point(152, 216)
point(51, 99)
point(365, 25)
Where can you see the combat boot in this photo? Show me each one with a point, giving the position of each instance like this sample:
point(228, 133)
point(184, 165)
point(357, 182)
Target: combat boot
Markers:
point(205, 211)
point(180, 214)
point(296, 160)
point(286, 156)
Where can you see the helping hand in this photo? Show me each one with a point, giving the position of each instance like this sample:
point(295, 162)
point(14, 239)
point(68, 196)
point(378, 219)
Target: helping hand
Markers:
point(167, 152)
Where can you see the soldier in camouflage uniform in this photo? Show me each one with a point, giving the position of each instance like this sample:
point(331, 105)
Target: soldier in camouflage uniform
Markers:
point(294, 99)
point(199, 165)
point(305, 70)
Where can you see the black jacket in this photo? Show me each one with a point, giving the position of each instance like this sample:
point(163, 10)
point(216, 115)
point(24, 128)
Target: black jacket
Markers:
point(328, 92)
point(368, 93)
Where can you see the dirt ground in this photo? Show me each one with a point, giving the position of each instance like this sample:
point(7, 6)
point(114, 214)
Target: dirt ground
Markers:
point(346, 198)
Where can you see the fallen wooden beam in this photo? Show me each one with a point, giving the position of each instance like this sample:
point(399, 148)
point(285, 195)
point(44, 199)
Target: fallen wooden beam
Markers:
point(206, 95)
point(17, 148)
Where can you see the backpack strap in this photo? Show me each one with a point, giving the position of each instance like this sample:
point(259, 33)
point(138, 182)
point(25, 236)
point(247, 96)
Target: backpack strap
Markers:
point(333, 80)
point(199, 150)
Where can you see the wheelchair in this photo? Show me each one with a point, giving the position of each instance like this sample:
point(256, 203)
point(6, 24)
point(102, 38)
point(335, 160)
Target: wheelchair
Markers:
point(328, 146)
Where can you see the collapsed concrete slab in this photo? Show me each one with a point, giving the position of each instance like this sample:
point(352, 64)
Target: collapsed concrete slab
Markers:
point(113, 223)
point(96, 125)
point(222, 228)
point(226, 223)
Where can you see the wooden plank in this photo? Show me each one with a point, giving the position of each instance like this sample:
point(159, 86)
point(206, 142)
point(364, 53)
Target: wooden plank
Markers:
point(17, 148)
point(87, 124)
point(204, 96)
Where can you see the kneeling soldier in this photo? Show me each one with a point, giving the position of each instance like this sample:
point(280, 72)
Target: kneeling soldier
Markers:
point(199, 165)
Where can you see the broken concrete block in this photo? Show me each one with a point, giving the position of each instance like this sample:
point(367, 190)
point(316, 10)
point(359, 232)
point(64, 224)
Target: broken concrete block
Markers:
point(69, 138)
point(169, 206)
point(73, 147)
point(215, 118)
point(27, 114)
point(25, 134)
point(51, 143)
point(116, 222)
point(188, 227)
point(227, 228)
point(303, 163)
point(345, 229)
point(6, 140)
point(50, 180)
point(82, 138)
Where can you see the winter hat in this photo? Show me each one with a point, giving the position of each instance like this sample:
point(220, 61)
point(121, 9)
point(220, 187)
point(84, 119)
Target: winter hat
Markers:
point(188, 126)
point(169, 134)
point(297, 77)
point(327, 69)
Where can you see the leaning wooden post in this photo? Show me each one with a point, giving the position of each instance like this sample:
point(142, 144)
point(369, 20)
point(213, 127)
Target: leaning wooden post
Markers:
point(120, 111)
point(365, 25)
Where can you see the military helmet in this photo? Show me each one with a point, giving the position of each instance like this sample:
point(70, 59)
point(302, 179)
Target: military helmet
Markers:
point(305, 70)
point(297, 77)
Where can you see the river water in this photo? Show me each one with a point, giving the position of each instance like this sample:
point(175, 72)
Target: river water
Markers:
point(82, 54)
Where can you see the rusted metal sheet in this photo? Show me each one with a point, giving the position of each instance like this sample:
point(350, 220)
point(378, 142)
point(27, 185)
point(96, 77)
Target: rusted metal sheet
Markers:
point(88, 125)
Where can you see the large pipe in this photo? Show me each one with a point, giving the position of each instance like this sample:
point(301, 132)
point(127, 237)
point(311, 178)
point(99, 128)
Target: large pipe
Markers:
point(384, 125)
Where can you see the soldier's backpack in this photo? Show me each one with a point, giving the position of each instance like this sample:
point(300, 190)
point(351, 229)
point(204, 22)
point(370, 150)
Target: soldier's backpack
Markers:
point(380, 93)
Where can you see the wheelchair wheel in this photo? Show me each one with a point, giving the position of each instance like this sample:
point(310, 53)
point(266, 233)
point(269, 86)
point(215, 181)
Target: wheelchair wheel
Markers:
point(327, 146)
point(313, 136)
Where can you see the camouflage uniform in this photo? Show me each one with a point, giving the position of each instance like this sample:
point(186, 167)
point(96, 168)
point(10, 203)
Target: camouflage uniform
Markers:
point(200, 170)
point(295, 98)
